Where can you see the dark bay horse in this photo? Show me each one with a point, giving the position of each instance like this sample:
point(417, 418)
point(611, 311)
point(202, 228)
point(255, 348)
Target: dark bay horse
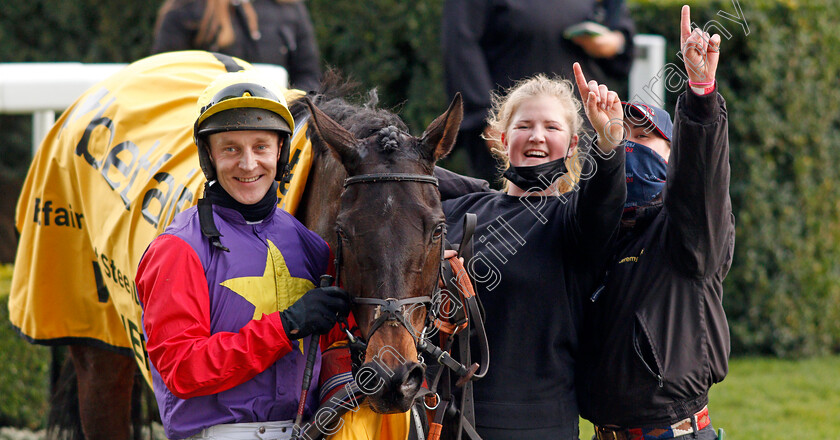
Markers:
point(387, 233)
point(388, 230)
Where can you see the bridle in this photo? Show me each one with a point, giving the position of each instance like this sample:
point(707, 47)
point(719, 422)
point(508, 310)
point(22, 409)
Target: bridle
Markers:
point(389, 309)
point(438, 397)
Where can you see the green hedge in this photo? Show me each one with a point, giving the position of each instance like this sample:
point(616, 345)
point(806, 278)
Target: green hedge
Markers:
point(780, 82)
point(24, 383)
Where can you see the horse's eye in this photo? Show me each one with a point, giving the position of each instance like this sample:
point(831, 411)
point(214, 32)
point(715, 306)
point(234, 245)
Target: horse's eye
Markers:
point(439, 231)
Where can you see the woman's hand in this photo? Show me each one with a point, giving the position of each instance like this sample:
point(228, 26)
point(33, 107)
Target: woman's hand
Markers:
point(700, 52)
point(603, 108)
point(601, 46)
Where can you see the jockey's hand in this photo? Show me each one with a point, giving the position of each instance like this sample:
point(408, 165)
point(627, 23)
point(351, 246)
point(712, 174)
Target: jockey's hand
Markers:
point(701, 52)
point(316, 312)
point(603, 108)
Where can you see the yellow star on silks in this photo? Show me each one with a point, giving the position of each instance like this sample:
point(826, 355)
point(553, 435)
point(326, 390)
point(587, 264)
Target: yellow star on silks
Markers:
point(275, 290)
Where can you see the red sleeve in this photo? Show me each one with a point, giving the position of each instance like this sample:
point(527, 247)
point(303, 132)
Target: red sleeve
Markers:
point(176, 317)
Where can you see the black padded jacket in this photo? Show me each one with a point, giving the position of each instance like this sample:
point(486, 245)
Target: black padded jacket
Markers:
point(655, 337)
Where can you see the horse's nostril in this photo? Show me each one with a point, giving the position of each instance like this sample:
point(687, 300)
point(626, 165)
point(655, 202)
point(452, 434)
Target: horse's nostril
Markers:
point(412, 380)
point(416, 372)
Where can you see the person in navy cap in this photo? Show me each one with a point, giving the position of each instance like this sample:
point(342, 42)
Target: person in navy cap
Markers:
point(655, 336)
point(648, 147)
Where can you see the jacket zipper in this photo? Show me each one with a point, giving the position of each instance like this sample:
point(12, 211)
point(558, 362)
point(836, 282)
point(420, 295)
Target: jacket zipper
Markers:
point(600, 288)
point(642, 358)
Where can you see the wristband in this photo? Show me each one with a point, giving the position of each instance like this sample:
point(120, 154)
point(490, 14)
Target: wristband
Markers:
point(702, 88)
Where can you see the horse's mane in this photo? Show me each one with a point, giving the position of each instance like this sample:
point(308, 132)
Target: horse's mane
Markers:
point(362, 120)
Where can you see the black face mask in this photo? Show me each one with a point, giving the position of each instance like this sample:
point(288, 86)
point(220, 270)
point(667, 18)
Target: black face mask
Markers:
point(538, 177)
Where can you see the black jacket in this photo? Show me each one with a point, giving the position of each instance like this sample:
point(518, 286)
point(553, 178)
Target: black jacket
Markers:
point(655, 338)
point(536, 258)
point(287, 37)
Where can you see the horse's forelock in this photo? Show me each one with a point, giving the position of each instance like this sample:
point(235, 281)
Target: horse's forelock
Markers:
point(362, 120)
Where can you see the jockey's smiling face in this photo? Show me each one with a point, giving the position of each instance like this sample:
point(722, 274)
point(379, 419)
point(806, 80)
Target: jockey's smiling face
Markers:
point(246, 162)
point(539, 132)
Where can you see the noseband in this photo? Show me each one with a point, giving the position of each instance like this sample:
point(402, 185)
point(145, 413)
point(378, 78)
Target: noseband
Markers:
point(390, 309)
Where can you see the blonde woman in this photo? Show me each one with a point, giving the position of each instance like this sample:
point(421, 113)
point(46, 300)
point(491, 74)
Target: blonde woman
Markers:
point(259, 31)
point(538, 249)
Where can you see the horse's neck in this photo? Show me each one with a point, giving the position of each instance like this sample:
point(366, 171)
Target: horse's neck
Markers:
point(319, 204)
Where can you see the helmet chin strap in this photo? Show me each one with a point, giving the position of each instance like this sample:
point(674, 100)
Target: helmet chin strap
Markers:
point(284, 168)
point(205, 220)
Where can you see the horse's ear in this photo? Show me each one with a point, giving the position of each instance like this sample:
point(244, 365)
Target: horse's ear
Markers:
point(439, 137)
point(334, 135)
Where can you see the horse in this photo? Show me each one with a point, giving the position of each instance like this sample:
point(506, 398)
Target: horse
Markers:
point(369, 193)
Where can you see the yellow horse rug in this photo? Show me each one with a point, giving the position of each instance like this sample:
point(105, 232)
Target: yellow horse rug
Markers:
point(107, 179)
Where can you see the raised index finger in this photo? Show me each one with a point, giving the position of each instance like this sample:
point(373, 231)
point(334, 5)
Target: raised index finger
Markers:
point(685, 24)
point(583, 88)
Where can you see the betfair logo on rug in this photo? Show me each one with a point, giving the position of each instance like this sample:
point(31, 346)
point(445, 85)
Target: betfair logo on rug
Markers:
point(46, 214)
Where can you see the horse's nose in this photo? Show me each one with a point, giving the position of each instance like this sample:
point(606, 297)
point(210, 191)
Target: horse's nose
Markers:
point(399, 388)
point(411, 381)
point(405, 381)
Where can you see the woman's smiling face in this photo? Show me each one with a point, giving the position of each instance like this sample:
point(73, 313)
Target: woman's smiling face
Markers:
point(538, 132)
point(246, 162)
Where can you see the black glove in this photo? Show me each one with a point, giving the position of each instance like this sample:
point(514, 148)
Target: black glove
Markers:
point(316, 312)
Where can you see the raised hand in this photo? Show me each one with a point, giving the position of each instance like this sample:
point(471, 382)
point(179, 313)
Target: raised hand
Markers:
point(603, 108)
point(700, 51)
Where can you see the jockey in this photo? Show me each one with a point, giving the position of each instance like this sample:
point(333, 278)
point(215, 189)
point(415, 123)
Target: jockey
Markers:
point(229, 290)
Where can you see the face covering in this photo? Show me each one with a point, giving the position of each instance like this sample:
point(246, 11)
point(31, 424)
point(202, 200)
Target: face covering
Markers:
point(646, 172)
point(538, 177)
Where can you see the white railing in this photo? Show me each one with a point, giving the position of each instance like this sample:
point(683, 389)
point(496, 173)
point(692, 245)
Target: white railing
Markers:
point(43, 89)
point(647, 82)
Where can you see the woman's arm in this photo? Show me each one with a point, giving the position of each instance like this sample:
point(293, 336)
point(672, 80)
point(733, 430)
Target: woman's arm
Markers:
point(602, 187)
point(453, 185)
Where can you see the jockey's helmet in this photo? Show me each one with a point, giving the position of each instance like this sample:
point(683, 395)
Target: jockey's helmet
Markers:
point(242, 100)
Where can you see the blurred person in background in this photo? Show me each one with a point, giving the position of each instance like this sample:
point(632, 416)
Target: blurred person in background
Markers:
point(488, 45)
point(258, 31)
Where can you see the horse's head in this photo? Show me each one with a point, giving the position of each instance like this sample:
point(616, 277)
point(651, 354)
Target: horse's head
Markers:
point(390, 229)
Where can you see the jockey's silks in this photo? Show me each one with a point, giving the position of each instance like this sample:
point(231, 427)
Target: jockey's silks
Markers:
point(107, 179)
point(211, 320)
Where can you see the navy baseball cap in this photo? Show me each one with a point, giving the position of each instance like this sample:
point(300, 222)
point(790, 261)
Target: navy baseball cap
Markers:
point(643, 113)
